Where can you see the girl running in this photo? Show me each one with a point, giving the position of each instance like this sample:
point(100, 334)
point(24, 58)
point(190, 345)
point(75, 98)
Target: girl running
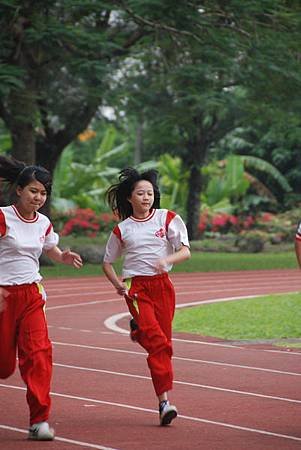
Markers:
point(151, 240)
point(24, 234)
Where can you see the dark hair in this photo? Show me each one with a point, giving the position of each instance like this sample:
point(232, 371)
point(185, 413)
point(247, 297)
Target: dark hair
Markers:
point(117, 195)
point(16, 173)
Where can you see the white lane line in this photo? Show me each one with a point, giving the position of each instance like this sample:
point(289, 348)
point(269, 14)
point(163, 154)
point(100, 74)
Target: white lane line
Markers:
point(82, 293)
point(75, 305)
point(58, 438)
point(184, 383)
point(179, 358)
point(284, 352)
point(64, 328)
point(84, 331)
point(190, 418)
point(111, 323)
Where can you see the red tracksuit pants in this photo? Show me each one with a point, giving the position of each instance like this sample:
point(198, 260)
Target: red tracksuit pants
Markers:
point(151, 302)
point(23, 327)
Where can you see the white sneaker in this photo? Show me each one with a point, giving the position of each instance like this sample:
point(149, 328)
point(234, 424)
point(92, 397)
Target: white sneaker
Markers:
point(41, 432)
point(167, 412)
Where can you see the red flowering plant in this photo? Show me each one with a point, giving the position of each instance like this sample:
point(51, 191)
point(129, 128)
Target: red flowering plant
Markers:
point(85, 222)
point(224, 223)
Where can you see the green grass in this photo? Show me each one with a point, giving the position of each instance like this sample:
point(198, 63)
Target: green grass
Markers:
point(60, 270)
point(199, 262)
point(262, 318)
point(214, 262)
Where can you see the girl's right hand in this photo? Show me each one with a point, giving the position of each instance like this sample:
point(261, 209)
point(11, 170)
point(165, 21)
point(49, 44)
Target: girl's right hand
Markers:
point(121, 290)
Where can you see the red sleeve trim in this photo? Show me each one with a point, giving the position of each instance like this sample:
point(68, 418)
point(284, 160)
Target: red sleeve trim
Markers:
point(117, 232)
point(2, 224)
point(298, 237)
point(170, 215)
point(49, 229)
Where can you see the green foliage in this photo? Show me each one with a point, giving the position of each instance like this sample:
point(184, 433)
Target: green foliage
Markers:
point(84, 185)
point(268, 169)
point(5, 139)
point(10, 78)
point(173, 183)
point(229, 183)
point(230, 180)
point(274, 137)
point(189, 74)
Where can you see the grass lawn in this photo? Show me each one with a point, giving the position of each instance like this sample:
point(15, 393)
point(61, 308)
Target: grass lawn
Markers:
point(199, 262)
point(263, 318)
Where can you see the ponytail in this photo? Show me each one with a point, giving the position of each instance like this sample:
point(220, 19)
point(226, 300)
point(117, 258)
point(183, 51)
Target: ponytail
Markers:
point(16, 173)
point(10, 169)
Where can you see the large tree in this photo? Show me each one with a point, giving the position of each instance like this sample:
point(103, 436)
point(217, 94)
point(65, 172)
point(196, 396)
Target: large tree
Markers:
point(59, 61)
point(57, 57)
point(241, 56)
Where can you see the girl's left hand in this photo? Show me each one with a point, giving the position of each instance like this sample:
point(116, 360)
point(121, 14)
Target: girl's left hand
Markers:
point(72, 258)
point(161, 265)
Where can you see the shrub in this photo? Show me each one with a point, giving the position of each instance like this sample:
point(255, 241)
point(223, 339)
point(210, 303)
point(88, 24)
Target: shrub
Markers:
point(223, 223)
point(85, 222)
point(251, 241)
point(280, 227)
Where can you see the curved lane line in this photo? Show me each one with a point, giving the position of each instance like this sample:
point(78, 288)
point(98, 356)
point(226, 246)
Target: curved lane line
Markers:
point(111, 322)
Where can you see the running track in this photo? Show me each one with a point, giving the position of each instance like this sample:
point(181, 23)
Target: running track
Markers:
point(229, 397)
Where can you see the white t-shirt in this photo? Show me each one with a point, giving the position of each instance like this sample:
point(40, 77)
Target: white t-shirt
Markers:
point(21, 244)
point(144, 241)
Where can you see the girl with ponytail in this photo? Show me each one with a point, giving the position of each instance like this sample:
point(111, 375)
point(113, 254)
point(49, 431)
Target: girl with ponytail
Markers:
point(24, 234)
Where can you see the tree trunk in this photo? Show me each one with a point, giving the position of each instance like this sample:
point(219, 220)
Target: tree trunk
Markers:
point(47, 156)
point(193, 201)
point(197, 150)
point(21, 119)
point(138, 144)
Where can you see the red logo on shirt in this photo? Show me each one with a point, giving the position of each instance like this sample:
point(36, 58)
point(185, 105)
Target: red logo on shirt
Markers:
point(160, 233)
point(42, 239)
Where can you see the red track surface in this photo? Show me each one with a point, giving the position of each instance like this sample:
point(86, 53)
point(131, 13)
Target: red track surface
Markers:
point(229, 397)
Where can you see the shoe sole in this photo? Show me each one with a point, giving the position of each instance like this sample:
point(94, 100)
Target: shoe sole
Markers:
point(168, 417)
point(36, 437)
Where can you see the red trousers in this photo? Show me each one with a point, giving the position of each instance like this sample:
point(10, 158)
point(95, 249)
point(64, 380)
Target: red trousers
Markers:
point(23, 327)
point(151, 302)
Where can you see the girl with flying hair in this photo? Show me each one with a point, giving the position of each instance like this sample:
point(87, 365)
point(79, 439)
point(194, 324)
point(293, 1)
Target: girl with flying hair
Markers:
point(151, 240)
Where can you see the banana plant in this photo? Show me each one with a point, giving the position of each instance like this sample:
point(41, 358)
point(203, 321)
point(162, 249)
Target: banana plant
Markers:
point(173, 183)
point(84, 185)
point(230, 180)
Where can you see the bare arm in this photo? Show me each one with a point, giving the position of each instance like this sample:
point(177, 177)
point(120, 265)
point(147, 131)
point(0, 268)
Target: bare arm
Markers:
point(180, 255)
point(298, 251)
point(113, 278)
point(65, 257)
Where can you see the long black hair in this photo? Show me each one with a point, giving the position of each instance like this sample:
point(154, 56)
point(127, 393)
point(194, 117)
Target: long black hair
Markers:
point(117, 195)
point(17, 173)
